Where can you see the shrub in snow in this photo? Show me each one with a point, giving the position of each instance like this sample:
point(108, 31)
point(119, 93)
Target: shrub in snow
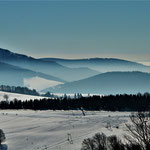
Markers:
point(2, 136)
point(101, 142)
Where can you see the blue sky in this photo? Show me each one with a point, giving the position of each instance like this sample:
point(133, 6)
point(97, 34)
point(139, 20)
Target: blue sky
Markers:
point(75, 29)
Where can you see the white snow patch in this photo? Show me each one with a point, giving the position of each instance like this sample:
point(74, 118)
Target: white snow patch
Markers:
point(39, 83)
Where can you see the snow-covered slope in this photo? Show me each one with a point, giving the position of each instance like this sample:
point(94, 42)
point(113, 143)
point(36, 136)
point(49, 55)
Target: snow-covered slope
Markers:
point(21, 97)
point(49, 130)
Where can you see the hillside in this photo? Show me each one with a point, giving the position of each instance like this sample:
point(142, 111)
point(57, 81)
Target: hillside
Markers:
point(47, 67)
point(102, 64)
point(15, 76)
point(108, 83)
point(22, 97)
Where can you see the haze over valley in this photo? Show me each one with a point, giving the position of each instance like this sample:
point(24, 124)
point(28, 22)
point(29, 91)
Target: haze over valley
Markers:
point(74, 75)
point(93, 75)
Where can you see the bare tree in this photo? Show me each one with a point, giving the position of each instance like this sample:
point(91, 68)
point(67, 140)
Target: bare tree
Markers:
point(100, 140)
point(138, 137)
point(88, 144)
point(139, 130)
point(115, 143)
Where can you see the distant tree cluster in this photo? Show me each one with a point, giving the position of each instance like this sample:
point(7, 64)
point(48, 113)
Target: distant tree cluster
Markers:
point(48, 94)
point(24, 90)
point(125, 102)
point(20, 90)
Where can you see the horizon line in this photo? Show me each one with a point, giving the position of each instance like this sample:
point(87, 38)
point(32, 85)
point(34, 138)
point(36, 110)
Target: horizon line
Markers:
point(142, 61)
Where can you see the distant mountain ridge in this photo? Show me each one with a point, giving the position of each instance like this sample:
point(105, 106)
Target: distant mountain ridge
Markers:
point(14, 76)
point(117, 76)
point(47, 67)
point(102, 64)
point(108, 83)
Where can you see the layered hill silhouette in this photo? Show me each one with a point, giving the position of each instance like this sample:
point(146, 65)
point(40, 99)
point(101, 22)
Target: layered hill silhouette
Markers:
point(102, 64)
point(14, 76)
point(47, 67)
point(94, 75)
point(108, 83)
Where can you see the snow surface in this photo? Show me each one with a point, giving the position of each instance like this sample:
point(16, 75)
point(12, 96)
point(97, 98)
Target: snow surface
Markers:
point(24, 97)
point(39, 83)
point(21, 97)
point(48, 130)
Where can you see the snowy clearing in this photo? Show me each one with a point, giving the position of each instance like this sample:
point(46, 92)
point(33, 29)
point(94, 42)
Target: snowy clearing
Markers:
point(49, 130)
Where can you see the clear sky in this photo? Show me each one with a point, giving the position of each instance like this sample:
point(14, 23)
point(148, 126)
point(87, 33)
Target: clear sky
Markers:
point(75, 29)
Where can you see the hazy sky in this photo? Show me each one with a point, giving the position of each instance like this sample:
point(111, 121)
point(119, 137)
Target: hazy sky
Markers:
point(75, 29)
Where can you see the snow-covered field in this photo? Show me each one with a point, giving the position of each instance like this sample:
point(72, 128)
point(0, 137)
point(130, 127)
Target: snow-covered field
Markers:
point(22, 97)
point(48, 130)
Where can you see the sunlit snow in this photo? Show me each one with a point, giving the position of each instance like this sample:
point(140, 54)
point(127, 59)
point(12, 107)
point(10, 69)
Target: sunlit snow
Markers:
point(39, 83)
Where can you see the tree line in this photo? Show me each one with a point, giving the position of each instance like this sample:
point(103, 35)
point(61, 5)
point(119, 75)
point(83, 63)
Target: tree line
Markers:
point(23, 90)
point(19, 90)
point(139, 102)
